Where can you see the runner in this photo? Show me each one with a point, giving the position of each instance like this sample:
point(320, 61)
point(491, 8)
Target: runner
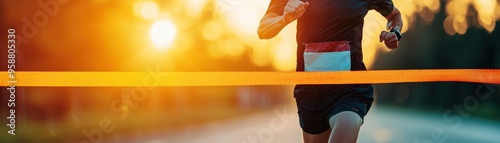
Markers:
point(329, 34)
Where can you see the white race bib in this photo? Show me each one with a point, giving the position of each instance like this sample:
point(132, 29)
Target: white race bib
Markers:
point(327, 56)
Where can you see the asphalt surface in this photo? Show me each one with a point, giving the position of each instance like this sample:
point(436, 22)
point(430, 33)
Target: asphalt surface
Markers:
point(382, 125)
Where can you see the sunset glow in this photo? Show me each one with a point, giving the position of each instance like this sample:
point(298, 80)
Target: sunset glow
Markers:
point(163, 33)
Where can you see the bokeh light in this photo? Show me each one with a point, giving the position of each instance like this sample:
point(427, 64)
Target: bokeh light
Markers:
point(163, 33)
point(485, 12)
point(147, 9)
point(381, 135)
point(211, 35)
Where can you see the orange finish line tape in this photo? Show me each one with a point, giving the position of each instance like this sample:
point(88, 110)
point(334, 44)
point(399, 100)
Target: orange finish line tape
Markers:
point(107, 79)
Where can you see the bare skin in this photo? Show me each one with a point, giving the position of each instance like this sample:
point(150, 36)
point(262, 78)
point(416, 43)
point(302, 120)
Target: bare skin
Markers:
point(395, 21)
point(272, 23)
point(344, 125)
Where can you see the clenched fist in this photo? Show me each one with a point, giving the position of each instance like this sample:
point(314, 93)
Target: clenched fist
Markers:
point(294, 9)
point(390, 39)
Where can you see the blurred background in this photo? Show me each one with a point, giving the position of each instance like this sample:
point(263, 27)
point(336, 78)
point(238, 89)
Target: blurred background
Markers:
point(220, 35)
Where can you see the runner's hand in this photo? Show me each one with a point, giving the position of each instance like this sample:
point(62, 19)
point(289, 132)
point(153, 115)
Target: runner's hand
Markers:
point(294, 9)
point(390, 39)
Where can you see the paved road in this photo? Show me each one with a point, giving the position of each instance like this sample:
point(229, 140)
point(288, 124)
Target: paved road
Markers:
point(382, 125)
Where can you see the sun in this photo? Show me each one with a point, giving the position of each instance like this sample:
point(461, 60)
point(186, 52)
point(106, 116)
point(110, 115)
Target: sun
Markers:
point(162, 33)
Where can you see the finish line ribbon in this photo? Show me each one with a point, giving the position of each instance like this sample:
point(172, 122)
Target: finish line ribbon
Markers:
point(109, 79)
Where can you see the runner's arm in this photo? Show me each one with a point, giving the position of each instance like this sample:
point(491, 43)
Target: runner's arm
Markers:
point(394, 20)
point(272, 23)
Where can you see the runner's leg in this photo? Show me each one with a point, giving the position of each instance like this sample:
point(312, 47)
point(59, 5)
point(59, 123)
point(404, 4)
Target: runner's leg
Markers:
point(316, 138)
point(345, 127)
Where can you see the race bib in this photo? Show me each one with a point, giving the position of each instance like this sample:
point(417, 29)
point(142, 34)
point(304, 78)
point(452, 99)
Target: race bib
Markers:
point(327, 56)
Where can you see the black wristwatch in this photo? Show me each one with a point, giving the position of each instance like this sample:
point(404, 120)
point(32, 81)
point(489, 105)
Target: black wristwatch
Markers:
point(398, 34)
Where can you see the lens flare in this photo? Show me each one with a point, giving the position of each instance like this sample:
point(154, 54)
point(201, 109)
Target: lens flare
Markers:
point(231, 29)
point(163, 33)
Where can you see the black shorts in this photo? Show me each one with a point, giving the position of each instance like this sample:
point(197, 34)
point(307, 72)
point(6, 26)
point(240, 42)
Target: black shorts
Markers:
point(318, 103)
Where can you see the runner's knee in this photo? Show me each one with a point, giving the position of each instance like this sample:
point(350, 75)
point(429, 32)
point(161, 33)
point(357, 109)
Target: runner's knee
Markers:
point(345, 120)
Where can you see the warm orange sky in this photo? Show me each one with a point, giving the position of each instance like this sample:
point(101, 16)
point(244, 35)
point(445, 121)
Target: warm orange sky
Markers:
point(149, 31)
